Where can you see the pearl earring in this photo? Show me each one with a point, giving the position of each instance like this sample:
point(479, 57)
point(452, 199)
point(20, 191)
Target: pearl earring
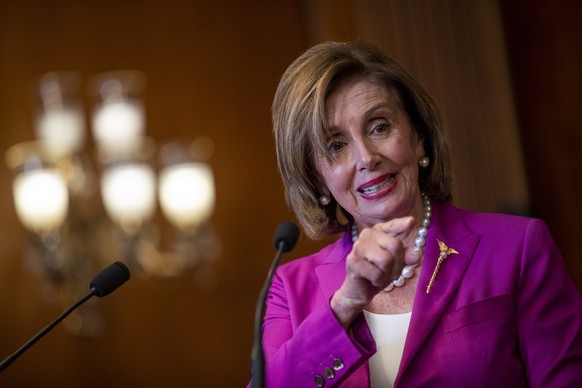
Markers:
point(324, 200)
point(424, 162)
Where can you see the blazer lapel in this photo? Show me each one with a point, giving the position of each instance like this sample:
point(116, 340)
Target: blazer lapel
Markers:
point(448, 227)
point(332, 272)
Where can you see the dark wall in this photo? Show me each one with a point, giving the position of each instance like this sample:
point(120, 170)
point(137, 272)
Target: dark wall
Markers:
point(212, 70)
point(544, 42)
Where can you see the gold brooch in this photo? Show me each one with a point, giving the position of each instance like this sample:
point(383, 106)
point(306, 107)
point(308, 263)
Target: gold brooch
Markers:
point(445, 252)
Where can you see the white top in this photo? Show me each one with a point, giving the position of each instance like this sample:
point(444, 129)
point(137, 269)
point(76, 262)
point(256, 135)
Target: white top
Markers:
point(389, 332)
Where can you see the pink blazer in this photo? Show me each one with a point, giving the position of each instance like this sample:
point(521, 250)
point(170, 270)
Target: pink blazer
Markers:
point(501, 313)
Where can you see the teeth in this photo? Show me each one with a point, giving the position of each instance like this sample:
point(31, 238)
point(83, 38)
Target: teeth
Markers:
point(377, 187)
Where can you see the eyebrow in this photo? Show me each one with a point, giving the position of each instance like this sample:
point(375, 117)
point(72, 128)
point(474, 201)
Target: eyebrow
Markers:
point(394, 109)
point(369, 112)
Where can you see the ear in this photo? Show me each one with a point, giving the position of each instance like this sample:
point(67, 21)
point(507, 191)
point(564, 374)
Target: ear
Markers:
point(318, 181)
point(419, 146)
point(321, 187)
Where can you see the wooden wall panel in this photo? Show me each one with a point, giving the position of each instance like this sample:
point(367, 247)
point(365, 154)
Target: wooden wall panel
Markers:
point(545, 52)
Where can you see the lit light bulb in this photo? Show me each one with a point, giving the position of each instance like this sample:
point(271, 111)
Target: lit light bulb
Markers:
point(117, 125)
point(187, 194)
point(41, 199)
point(129, 194)
point(63, 129)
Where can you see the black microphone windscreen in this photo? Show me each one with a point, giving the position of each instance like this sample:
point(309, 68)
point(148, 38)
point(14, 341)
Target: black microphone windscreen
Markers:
point(109, 279)
point(287, 233)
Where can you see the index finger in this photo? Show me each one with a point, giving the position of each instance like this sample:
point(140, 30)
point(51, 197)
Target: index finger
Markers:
point(398, 226)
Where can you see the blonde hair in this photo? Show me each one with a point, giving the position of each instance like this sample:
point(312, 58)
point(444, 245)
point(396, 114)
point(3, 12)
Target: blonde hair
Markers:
point(299, 126)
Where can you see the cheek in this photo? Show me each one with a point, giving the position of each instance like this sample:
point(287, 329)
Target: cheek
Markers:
point(334, 178)
point(325, 175)
point(411, 150)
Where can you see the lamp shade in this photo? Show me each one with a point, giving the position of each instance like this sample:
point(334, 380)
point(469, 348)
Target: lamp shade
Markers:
point(41, 199)
point(60, 120)
point(187, 194)
point(119, 118)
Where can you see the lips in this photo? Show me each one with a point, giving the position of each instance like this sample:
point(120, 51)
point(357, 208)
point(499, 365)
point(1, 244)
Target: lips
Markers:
point(378, 186)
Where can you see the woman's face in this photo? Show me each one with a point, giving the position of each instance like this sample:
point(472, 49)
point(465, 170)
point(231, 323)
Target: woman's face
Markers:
point(373, 169)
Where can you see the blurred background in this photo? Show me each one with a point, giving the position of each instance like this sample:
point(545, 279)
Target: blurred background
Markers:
point(506, 73)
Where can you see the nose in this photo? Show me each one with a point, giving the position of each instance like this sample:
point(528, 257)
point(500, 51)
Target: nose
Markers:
point(367, 155)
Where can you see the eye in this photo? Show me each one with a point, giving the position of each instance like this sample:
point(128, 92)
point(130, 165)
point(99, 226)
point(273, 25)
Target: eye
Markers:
point(381, 128)
point(335, 146)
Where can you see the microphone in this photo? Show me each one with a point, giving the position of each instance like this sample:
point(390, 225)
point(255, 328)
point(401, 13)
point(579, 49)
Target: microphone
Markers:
point(107, 281)
point(285, 239)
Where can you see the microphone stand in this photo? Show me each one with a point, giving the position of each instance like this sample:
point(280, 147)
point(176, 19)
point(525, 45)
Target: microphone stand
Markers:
point(10, 359)
point(258, 355)
point(103, 284)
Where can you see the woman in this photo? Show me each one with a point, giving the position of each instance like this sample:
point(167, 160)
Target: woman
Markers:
point(416, 292)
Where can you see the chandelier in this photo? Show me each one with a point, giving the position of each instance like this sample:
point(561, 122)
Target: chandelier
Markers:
point(87, 201)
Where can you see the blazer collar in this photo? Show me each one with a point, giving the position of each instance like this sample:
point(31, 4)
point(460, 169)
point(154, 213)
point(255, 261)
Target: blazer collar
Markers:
point(448, 226)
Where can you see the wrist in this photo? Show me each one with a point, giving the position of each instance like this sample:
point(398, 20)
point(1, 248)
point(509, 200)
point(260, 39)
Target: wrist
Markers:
point(345, 309)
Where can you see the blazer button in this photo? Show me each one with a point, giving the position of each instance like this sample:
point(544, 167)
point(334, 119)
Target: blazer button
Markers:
point(328, 373)
point(319, 381)
point(338, 364)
